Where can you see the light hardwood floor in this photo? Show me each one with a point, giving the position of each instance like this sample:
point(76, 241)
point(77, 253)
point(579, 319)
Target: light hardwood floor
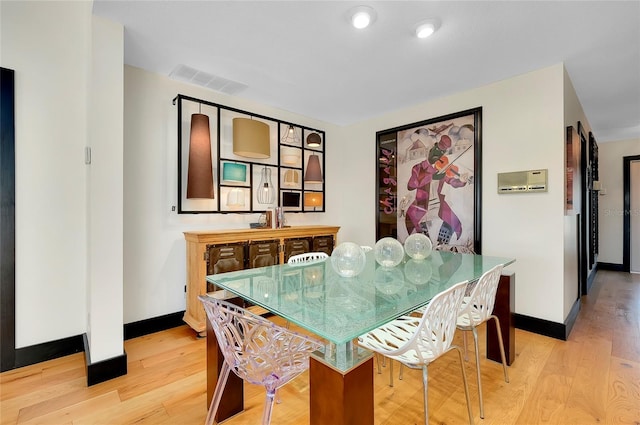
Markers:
point(593, 378)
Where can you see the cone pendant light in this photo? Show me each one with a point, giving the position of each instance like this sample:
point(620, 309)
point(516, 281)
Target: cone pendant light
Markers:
point(314, 172)
point(200, 171)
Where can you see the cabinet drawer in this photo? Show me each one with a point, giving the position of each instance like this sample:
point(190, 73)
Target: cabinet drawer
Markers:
point(224, 258)
point(323, 244)
point(263, 253)
point(295, 247)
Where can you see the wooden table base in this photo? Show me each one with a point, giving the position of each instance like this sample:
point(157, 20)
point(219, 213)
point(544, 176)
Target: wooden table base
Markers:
point(341, 399)
point(503, 309)
point(232, 401)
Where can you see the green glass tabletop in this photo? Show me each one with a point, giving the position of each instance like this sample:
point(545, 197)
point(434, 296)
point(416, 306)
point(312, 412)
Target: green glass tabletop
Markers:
point(340, 309)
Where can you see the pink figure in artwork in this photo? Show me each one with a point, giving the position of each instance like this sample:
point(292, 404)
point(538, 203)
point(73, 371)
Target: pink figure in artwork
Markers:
point(435, 168)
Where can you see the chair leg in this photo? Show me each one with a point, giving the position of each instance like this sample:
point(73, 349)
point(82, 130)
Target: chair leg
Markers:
point(390, 373)
point(466, 387)
point(464, 343)
point(479, 378)
point(501, 343)
point(217, 393)
point(400, 376)
point(425, 387)
point(268, 406)
point(378, 361)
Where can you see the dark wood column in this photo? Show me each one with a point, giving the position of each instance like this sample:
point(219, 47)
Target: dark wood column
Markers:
point(341, 399)
point(503, 309)
point(232, 401)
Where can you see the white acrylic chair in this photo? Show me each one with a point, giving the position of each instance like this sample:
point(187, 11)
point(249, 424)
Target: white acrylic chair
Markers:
point(255, 349)
point(476, 309)
point(418, 341)
point(307, 257)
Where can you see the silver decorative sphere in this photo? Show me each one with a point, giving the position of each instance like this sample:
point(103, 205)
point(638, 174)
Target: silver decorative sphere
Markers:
point(348, 259)
point(388, 252)
point(418, 272)
point(418, 246)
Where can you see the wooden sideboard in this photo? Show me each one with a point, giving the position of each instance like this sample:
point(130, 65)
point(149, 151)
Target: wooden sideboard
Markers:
point(210, 252)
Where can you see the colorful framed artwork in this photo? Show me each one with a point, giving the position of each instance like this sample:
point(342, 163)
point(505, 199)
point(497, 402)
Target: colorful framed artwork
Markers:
point(572, 172)
point(428, 180)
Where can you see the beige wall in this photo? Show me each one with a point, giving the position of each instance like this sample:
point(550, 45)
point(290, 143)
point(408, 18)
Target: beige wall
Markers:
point(48, 46)
point(573, 113)
point(68, 69)
point(610, 201)
point(523, 129)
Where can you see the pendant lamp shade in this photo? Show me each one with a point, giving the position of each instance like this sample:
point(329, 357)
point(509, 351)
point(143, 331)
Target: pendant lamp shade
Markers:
point(290, 136)
point(313, 173)
point(313, 199)
point(291, 178)
point(200, 171)
point(251, 138)
point(235, 198)
point(266, 191)
point(233, 172)
point(314, 140)
point(290, 156)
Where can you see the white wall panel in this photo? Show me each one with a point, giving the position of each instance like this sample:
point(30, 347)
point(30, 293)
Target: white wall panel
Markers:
point(47, 44)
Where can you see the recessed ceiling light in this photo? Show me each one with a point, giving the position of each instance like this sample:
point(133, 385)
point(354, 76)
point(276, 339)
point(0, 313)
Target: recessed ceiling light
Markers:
point(426, 28)
point(362, 16)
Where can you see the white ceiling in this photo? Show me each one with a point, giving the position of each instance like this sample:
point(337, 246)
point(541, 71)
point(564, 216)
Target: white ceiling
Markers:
point(304, 57)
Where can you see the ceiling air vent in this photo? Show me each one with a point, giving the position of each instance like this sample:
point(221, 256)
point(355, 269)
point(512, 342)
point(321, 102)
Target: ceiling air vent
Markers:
point(193, 76)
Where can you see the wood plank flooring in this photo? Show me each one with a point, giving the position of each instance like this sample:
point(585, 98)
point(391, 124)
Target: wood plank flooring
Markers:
point(593, 378)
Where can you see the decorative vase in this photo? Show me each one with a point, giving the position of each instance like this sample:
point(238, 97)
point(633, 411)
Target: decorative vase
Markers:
point(348, 259)
point(388, 252)
point(418, 246)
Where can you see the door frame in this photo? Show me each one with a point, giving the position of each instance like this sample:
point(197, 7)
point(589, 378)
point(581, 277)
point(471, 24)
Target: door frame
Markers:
point(626, 216)
point(8, 222)
point(583, 251)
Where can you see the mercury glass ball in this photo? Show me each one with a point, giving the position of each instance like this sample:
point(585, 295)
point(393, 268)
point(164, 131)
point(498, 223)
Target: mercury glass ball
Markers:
point(388, 252)
point(418, 246)
point(418, 272)
point(348, 259)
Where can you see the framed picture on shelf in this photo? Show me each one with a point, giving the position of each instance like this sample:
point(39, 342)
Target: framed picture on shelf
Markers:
point(572, 172)
point(428, 180)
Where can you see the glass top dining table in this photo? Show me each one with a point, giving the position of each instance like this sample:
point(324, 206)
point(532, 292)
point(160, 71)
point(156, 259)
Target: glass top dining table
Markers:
point(339, 309)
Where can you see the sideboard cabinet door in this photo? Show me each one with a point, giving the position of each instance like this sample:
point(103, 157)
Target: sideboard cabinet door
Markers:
point(323, 244)
point(224, 258)
point(263, 253)
point(296, 246)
